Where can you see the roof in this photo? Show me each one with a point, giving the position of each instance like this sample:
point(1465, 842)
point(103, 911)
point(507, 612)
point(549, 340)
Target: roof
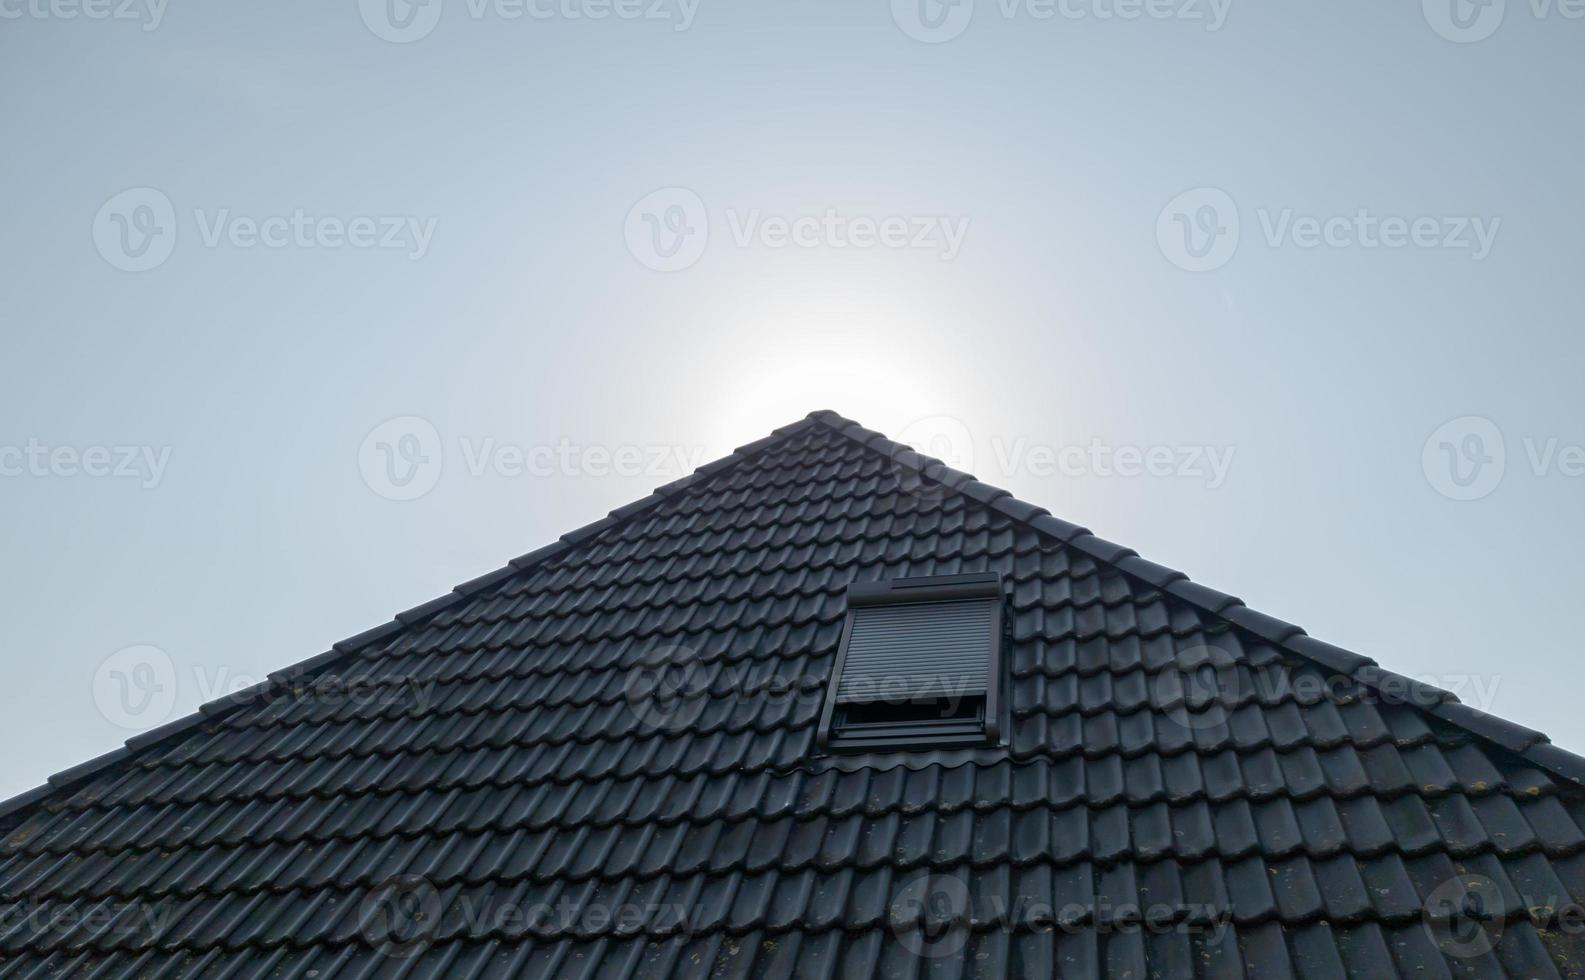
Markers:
point(509, 795)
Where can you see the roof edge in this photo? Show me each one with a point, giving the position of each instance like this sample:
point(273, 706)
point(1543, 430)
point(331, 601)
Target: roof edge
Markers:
point(211, 711)
point(1527, 744)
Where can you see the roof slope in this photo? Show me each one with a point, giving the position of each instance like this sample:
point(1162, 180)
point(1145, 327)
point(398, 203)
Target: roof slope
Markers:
point(508, 795)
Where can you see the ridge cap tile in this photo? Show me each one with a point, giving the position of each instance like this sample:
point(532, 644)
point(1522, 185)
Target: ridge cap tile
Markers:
point(1398, 689)
point(1018, 510)
point(1268, 628)
point(1513, 737)
point(67, 776)
point(485, 581)
point(1328, 655)
point(1149, 572)
point(637, 507)
point(368, 637)
point(1058, 528)
point(524, 562)
point(1561, 761)
point(582, 534)
point(1199, 595)
point(1099, 548)
point(425, 610)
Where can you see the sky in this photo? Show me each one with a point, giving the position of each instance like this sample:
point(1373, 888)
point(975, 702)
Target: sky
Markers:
point(313, 310)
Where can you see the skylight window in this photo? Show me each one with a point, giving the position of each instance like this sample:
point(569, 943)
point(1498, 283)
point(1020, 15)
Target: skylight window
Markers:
point(920, 664)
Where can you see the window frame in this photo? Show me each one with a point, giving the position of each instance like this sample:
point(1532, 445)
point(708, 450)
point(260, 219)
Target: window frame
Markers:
point(897, 592)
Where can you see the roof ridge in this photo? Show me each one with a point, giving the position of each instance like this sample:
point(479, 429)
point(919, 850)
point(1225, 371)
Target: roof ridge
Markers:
point(1527, 744)
point(211, 710)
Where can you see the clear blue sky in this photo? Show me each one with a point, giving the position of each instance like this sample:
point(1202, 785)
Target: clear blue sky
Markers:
point(986, 216)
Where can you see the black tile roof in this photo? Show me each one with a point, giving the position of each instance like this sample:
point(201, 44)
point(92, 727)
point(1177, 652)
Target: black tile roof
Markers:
point(503, 794)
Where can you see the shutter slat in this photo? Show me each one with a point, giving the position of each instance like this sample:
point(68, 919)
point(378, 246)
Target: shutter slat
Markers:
point(918, 650)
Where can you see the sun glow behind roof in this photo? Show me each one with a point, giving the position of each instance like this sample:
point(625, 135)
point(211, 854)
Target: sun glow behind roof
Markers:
point(886, 374)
